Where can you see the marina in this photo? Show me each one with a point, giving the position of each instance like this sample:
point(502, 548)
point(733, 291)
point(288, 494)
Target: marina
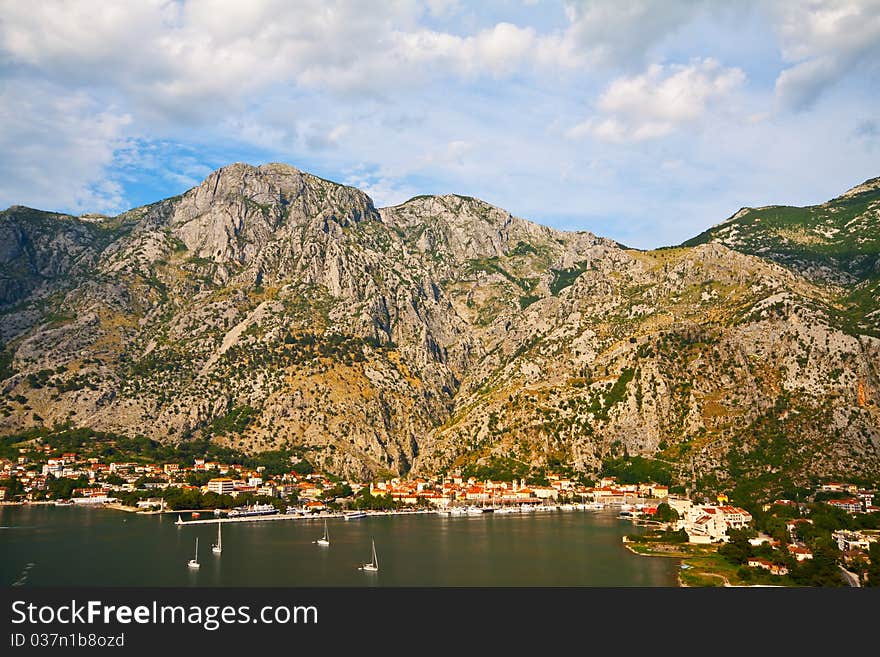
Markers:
point(453, 511)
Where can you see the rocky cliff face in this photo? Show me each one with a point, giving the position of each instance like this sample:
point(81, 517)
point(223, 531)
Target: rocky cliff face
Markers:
point(269, 307)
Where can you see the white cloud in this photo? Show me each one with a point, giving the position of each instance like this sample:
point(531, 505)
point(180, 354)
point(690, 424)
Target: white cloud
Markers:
point(658, 101)
point(443, 8)
point(610, 32)
point(56, 148)
point(321, 135)
point(824, 40)
point(189, 59)
point(383, 189)
point(444, 97)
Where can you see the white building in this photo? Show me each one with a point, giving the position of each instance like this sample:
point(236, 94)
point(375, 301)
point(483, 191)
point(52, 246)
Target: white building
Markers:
point(94, 499)
point(221, 485)
point(712, 522)
point(849, 540)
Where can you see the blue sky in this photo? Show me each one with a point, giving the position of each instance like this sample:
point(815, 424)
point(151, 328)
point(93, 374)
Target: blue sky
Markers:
point(642, 121)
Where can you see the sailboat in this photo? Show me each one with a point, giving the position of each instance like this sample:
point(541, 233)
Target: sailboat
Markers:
point(373, 566)
point(218, 548)
point(325, 539)
point(194, 562)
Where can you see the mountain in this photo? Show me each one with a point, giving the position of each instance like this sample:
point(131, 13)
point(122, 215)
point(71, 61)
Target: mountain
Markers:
point(835, 243)
point(270, 308)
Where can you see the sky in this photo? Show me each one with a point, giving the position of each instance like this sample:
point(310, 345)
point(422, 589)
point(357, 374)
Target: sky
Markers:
point(643, 121)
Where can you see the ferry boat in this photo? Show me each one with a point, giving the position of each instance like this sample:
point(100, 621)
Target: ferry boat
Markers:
point(255, 510)
point(355, 515)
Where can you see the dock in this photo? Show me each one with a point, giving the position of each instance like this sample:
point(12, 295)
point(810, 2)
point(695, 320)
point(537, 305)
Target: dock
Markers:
point(292, 516)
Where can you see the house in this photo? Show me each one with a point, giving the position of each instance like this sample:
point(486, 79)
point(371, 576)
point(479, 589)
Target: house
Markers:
point(850, 504)
point(476, 493)
point(309, 490)
point(735, 517)
point(269, 490)
point(760, 539)
point(800, 552)
point(545, 492)
point(759, 562)
point(659, 491)
point(849, 540)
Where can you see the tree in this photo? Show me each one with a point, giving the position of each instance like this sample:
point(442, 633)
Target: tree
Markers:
point(196, 478)
point(339, 490)
point(62, 487)
point(13, 487)
point(666, 513)
point(738, 549)
point(874, 567)
point(822, 569)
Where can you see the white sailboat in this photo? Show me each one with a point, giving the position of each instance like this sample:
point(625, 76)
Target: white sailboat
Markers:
point(194, 562)
point(325, 539)
point(218, 548)
point(373, 566)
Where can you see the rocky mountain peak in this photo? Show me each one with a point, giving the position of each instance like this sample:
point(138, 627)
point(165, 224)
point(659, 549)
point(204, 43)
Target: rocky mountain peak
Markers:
point(239, 208)
point(870, 185)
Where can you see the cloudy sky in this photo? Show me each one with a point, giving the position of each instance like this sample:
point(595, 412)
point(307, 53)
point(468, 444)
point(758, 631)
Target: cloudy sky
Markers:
point(644, 121)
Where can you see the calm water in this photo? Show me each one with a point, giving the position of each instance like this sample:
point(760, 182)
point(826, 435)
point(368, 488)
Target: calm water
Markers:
point(73, 546)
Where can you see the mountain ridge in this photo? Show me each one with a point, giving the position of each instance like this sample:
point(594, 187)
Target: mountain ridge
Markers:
point(441, 332)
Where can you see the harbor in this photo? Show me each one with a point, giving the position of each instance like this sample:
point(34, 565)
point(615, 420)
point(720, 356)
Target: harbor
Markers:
point(74, 546)
point(454, 511)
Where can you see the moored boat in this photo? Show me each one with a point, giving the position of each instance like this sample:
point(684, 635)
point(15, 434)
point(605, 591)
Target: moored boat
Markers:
point(255, 510)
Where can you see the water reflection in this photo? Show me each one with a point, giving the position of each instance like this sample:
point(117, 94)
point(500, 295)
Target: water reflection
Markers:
point(94, 547)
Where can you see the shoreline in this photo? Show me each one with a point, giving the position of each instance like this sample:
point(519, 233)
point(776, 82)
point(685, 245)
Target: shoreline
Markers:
point(114, 506)
point(701, 570)
point(681, 583)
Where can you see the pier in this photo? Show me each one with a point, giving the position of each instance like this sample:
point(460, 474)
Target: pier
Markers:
point(292, 516)
point(370, 514)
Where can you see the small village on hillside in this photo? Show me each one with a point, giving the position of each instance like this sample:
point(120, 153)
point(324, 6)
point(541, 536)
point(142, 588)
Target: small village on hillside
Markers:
point(830, 537)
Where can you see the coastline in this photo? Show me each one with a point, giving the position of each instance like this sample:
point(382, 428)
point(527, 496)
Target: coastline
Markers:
point(698, 562)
